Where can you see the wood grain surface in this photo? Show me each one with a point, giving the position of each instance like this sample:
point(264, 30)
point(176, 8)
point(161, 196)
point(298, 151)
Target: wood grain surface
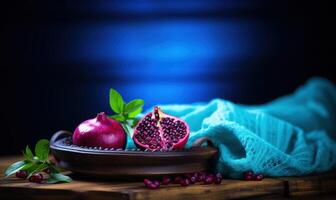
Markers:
point(320, 187)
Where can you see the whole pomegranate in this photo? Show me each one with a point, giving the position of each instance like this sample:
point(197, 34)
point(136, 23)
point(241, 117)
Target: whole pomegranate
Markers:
point(157, 130)
point(101, 131)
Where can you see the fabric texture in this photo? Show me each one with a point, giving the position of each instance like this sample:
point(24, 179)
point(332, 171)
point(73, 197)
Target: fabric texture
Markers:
point(290, 136)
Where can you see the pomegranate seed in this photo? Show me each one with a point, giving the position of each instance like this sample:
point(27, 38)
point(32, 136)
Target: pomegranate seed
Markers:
point(248, 177)
point(248, 173)
point(177, 179)
point(157, 131)
point(184, 182)
point(166, 180)
point(258, 177)
point(153, 186)
point(209, 179)
point(193, 180)
point(201, 177)
point(218, 175)
point(21, 174)
point(36, 178)
point(147, 182)
point(156, 182)
point(218, 180)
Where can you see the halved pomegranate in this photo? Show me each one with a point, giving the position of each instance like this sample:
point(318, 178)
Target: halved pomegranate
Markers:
point(157, 130)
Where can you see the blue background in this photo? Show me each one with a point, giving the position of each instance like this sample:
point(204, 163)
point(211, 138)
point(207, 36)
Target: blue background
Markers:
point(61, 57)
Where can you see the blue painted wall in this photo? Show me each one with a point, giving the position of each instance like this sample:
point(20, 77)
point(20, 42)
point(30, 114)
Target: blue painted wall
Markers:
point(61, 57)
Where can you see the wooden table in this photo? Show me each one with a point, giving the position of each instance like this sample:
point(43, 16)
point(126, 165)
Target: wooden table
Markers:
point(320, 187)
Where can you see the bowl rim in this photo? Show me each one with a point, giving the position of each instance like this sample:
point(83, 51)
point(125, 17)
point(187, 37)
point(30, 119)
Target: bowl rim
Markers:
point(57, 143)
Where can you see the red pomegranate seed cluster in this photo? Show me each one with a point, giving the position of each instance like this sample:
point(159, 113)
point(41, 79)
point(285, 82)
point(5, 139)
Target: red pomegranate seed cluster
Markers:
point(21, 174)
point(251, 176)
point(185, 180)
point(158, 131)
point(35, 178)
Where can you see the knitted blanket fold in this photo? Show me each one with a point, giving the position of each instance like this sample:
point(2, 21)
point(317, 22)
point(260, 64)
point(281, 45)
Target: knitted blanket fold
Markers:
point(290, 136)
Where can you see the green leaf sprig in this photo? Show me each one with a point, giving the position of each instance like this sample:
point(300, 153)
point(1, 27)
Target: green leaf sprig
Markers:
point(125, 113)
point(38, 163)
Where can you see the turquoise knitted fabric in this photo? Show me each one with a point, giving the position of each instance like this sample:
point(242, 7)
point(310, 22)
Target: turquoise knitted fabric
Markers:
point(290, 136)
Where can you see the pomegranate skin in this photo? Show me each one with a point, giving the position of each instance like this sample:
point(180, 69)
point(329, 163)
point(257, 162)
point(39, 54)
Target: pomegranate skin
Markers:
point(101, 131)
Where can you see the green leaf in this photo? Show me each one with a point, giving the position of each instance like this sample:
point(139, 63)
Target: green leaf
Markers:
point(42, 149)
point(28, 154)
point(28, 166)
point(25, 155)
point(14, 168)
point(38, 163)
point(53, 169)
point(58, 177)
point(31, 167)
point(119, 118)
point(51, 180)
point(116, 101)
point(134, 113)
point(133, 105)
point(37, 168)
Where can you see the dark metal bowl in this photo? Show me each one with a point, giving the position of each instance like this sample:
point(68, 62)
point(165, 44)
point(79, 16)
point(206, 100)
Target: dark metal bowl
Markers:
point(110, 162)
